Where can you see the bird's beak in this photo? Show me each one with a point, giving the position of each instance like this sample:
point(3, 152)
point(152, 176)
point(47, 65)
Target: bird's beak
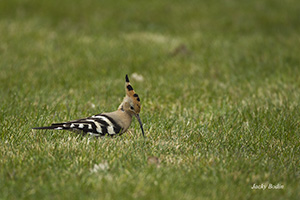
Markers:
point(141, 125)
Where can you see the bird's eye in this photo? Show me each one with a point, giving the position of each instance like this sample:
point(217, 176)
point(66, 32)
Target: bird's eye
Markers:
point(131, 107)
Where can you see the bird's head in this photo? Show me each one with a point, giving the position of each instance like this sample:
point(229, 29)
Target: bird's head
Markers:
point(131, 102)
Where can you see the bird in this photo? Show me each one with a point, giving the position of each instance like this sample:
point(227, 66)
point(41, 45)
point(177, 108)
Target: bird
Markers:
point(107, 123)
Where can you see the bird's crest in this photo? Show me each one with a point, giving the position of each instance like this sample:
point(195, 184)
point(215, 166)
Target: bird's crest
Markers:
point(132, 95)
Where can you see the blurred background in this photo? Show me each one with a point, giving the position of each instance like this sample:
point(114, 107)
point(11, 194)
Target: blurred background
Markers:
point(180, 48)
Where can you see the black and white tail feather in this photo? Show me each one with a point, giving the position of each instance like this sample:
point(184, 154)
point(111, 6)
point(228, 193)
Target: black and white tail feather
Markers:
point(96, 125)
point(112, 123)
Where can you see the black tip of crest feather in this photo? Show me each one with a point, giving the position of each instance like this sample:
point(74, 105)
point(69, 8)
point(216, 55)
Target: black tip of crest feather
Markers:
point(127, 79)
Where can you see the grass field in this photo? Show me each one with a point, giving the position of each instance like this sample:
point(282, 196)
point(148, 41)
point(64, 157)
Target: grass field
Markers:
point(220, 98)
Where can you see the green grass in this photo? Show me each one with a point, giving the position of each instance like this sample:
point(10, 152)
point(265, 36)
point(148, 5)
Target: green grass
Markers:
point(221, 115)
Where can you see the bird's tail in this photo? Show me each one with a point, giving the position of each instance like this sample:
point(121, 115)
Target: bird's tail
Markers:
point(56, 126)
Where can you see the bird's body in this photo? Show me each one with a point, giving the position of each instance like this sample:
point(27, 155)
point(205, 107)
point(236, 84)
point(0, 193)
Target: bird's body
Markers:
point(111, 123)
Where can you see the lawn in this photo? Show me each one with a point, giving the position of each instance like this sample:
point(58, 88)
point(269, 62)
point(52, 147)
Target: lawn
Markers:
point(220, 95)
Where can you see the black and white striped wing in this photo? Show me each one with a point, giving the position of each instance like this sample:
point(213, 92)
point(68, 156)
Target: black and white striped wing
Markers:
point(96, 125)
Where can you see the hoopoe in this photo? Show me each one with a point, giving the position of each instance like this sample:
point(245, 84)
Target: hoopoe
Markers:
point(111, 123)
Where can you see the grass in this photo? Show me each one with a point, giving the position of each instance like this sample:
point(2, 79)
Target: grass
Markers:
point(221, 113)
